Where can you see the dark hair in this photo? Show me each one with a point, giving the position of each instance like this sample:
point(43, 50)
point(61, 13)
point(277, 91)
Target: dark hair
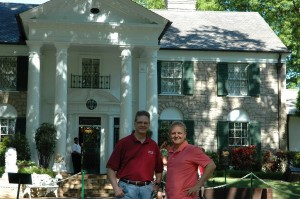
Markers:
point(75, 138)
point(142, 113)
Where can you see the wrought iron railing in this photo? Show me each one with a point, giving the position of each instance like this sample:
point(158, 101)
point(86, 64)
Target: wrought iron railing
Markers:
point(90, 81)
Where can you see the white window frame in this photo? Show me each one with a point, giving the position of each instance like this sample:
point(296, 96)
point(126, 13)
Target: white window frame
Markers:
point(237, 82)
point(171, 84)
point(7, 127)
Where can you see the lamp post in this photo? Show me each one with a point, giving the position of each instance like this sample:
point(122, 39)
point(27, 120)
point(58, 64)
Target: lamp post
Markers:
point(225, 155)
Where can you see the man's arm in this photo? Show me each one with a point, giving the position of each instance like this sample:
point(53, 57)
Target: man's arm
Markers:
point(111, 174)
point(208, 171)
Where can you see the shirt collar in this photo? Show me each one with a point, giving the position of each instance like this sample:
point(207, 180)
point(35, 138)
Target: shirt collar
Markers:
point(136, 140)
point(181, 147)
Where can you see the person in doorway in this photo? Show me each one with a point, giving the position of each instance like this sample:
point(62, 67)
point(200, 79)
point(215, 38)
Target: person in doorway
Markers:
point(76, 156)
point(134, 162)
point(183, 163)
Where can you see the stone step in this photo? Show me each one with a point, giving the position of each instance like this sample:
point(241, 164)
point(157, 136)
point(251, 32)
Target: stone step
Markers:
point(94, 186)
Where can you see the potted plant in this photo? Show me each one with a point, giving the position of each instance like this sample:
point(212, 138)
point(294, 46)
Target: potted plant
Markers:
point(45, 139)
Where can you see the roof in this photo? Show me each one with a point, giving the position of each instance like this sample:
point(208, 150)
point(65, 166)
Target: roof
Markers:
point(196, 30)
point(219, 30)
point(9, 29)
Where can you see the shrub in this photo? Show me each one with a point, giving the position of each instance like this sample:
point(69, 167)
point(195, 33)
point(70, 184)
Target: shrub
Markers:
point(45, 139)
point(31, 167)
point(274, 162)
point(244, 158)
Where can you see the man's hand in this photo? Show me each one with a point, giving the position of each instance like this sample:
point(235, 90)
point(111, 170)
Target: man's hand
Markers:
point(119, 192)
point(193, 190)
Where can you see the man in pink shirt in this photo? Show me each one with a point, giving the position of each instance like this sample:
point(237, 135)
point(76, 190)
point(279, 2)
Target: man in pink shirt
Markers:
point(183, 163)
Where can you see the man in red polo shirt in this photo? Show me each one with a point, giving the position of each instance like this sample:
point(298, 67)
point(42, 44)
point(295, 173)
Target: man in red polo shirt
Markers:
point(182, 167)
point(134, 161)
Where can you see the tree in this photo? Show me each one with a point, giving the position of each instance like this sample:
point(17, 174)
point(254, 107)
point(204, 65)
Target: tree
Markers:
point(45, 139)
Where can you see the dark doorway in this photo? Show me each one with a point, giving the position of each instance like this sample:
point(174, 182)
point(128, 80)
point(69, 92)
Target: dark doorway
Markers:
point(89, 137)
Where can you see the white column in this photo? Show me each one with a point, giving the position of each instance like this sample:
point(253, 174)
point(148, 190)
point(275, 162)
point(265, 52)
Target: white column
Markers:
point(110, 135)
point(152, 91)
point(60, 110)
point(142, 85)
point(126, 93)
point(33, 97)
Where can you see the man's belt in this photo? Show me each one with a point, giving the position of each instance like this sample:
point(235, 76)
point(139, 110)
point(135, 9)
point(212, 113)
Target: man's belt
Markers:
point(137, 183)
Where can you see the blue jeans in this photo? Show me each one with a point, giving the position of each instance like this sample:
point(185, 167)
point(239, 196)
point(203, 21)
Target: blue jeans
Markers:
point(136, 192)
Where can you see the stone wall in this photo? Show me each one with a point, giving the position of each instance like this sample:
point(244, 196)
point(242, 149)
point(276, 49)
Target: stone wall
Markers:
point(17, 99)
point(206, 108)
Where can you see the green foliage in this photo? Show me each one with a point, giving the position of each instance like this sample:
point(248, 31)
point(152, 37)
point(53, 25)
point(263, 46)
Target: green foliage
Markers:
point(208, 5)
point(3, 146)
point(274, 161)
point(294, 158)
point(45, 139)
point(20, 143)
point(17, 141)
point(152, 4)
point(214, 156)
point(31, 167)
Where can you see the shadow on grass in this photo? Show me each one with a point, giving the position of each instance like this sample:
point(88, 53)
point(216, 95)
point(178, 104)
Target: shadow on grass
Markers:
point(281, 189)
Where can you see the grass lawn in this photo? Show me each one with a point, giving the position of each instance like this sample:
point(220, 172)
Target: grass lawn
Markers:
point(281, 189)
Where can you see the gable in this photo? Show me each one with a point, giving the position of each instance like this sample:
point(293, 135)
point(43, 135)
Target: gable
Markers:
point(93, 22)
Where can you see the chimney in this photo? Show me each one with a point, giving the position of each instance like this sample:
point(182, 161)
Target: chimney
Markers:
point(181, 4)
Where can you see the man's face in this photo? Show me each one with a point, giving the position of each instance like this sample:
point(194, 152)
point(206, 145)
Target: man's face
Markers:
point(142, 124)
point(177, 135)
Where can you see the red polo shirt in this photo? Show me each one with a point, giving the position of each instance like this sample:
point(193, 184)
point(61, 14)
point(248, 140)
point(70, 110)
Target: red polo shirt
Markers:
point(134, 160)
point(182, 172)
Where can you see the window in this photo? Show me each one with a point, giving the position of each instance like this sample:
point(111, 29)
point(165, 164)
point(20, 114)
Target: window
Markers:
point(13, 73)
point(90, 73)
point(238, 134)
point(8, 73)
point(238, 79)
point(175, 78)
point(7, 127)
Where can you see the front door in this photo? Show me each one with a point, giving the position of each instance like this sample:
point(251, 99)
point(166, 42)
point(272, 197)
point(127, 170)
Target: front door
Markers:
point(89, 136)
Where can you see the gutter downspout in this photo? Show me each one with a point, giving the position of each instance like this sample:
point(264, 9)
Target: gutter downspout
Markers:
point(279, 67)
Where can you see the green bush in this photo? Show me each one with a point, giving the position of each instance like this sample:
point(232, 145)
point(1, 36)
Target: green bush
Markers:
point(45, 139)
point(17, 141)
point(31, 167)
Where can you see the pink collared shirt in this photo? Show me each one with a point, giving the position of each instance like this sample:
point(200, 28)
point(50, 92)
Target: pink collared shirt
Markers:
point(182, 170)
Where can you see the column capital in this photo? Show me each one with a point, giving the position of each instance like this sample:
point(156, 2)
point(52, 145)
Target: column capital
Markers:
point(61, 45)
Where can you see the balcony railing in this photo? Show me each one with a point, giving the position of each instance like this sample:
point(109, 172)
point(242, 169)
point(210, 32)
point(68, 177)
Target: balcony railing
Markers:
point(90, 81)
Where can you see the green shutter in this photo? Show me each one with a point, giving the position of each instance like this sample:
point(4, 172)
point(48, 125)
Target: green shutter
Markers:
point(254, 80)
point(222, 134)
point(222, 75)
point(159, 77)
point(190, 129)
point(255, 135)
point(22, 73)
point(188, 78)
point(21, 125)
